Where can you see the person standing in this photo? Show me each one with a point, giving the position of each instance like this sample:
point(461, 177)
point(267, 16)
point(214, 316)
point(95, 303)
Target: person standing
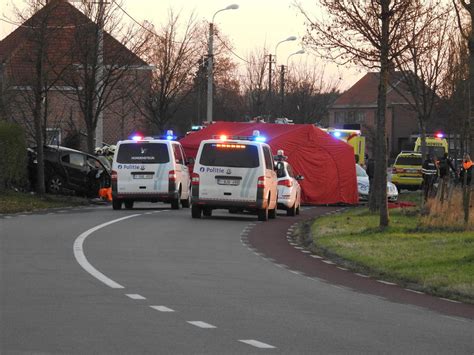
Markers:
point(466, 169)
point(444, 165)
point(429, 172)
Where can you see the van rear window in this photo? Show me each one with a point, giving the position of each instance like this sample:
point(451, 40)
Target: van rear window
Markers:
point(143, 153)
point(412, 161)
point(229, 155)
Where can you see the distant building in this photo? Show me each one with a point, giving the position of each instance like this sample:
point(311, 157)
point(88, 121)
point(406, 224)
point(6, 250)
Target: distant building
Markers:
point(357, 109)
point(63, 113)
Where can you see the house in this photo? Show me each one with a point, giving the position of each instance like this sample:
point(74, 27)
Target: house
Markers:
point(65, 38)
point(357, 109)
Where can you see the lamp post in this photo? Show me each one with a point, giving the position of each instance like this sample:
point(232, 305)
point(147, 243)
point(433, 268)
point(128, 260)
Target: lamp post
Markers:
point(210, 61)
point(270, 94)
point(282, 80)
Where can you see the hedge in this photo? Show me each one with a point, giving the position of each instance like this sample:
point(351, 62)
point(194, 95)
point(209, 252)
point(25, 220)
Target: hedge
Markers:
point(13, 156)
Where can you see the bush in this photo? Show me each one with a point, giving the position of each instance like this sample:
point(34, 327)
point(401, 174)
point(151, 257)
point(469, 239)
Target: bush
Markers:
point(13, 156)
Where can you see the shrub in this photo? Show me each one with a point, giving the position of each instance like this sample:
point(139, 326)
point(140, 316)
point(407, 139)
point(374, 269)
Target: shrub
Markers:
point(13, 155)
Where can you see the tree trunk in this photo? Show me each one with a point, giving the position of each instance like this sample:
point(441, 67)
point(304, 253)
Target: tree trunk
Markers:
point(380, 177)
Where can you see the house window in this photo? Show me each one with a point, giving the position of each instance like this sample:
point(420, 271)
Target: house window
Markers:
point(53, 136)
point(341, 117)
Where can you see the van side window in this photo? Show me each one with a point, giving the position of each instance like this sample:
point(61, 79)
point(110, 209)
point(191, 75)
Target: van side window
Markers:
point(268, 158)
point(178, 154)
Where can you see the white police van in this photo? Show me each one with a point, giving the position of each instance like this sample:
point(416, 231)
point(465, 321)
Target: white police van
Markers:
point(234, 173)
point(149, 169)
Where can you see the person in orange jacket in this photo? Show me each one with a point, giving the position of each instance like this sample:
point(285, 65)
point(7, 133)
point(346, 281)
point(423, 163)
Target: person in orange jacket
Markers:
point(466, 169)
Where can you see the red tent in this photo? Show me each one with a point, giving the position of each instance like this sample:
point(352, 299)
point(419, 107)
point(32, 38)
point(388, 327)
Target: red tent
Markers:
point(327, 164)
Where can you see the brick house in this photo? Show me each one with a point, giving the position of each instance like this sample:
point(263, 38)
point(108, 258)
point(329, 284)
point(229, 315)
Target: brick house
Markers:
point(69, 32)
point(357, 107)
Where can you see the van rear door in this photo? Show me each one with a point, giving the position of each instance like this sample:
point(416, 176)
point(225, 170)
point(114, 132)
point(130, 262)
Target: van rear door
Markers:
point(229, 171)
point(143, 167)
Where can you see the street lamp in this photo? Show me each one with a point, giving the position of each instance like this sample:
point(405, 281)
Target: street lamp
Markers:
point(210, 61)
point(301, 51)
point(270, 94)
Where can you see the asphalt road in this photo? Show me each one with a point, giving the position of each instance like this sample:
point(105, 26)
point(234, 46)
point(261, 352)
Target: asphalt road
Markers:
point(152, 280)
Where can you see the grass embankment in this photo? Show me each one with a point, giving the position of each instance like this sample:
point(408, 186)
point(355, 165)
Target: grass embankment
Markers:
point(15, 202)
point(410, 252)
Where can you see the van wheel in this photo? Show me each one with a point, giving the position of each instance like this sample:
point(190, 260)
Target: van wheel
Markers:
point(207, 212)
point(176, 203)
point(196, 211)
point(272, 213)
point(262, 214)
point(186, 203)
point(291, 211)
point(116, 204)
point(129, 204)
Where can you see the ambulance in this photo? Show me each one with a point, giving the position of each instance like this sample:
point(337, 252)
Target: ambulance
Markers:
point(352, 137)
point(234, 173)
point(436, 145)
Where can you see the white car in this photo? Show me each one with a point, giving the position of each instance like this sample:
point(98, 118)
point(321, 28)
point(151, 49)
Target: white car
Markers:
point(363, 186)
point(289, 190)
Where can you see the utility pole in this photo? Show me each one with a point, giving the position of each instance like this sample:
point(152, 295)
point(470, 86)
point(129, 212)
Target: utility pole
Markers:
point(282, 89)
point(271, 59)
point(99, 77)
point(210, 79)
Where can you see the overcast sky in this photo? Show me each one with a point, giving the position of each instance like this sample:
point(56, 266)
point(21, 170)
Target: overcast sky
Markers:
point(254, 24)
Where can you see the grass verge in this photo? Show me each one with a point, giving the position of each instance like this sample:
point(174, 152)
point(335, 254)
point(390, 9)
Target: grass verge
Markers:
point(436, 261)
point(15, 202)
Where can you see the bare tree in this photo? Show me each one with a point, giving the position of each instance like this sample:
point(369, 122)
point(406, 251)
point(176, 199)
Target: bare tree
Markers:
point(463, 8)
point(106, 70)
point(35, 72)
point(309, 93)
point(423, 66)
point(371, 34)
point(254, 84)
point(172, 54)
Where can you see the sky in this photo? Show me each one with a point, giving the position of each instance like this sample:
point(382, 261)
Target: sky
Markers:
point(254, 24)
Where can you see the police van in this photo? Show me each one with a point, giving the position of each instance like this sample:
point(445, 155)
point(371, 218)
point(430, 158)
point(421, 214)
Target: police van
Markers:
point(149, 169)
point(234, 173)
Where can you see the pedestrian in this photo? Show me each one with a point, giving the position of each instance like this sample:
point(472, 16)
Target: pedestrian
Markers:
point(444, 165)
point(466, 169)
point(370, 168)
point(430, 173)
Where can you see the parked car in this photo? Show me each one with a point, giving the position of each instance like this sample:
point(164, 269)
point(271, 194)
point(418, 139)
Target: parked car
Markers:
point(363, 186)
point(289, 190)
point(70, 171)
point(406, 171)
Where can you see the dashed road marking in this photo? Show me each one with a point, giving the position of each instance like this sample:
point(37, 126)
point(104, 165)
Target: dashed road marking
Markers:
point(257, 344)
point(316, 256)
point(201, 324)
point(362, 275)
point(447, 299)
point(135, 296)
point(327, 262)
point(162, 308)
point(418, 292)
point(342, 268)
point(387, 283)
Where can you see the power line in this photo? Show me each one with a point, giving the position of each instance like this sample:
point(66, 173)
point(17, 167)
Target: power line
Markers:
point(230, 50)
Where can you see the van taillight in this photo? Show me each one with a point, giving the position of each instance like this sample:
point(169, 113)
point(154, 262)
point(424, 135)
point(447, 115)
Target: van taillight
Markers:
point(194, 179)
point(113, 175)
point(172, 175)
point(286, 182)
point(261, 182)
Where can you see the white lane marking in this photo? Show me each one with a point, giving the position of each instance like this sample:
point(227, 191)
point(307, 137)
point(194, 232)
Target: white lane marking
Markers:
point(162, 308)
point(135, 296)
point(447, 299)
point(257, 344)
point(342, 268)
point(81, 257)
point(316, 256)
point(362, 275)
point(8, 217)
point(306, 251)
point(328, 262)
point(418, 292)
point(386, 282)
point(296, 272)
point(200, 324)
